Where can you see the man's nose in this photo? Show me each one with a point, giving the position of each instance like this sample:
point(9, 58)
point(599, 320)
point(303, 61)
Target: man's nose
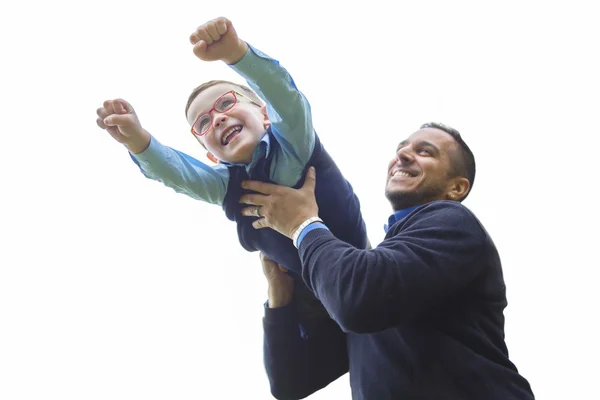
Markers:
point(404, 156)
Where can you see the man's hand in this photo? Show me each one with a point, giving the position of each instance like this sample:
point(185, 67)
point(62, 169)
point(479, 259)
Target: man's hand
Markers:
point(217, 40)
point(280, 207)
point(120, 120)
point(281, 285)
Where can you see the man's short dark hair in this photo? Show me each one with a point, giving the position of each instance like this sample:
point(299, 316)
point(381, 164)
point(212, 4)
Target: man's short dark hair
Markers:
point(463, 160)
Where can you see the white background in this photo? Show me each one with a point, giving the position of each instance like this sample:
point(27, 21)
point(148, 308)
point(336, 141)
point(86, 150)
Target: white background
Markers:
point(114, 287)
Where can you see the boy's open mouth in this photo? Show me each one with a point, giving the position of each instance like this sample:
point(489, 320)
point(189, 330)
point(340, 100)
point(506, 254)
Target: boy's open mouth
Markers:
point(230, 134)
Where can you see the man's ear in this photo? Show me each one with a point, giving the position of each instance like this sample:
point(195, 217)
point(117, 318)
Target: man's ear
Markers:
point(459, 188)
point(266, 121)
point(211, 157)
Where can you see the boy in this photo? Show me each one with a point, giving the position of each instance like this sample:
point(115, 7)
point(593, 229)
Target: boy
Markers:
point(247, 140)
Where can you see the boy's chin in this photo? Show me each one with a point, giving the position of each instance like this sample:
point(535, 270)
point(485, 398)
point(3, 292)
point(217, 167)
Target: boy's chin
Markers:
point(240, 151)
point(243, 156)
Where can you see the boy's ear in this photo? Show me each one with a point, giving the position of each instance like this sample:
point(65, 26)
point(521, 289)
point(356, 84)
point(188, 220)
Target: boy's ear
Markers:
point(266, 121)
point(211, 157)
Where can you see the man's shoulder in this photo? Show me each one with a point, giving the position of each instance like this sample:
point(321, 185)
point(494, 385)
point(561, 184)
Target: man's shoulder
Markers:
point(446, 207)
point(447, 213)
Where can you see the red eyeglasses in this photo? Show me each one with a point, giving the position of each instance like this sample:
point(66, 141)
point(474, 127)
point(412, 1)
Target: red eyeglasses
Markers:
point(224, 103)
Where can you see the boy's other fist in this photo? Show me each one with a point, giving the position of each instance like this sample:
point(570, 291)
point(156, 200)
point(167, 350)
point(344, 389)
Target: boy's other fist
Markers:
point(217, 40)
point(119, 119)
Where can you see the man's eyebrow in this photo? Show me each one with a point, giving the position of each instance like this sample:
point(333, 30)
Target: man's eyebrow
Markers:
point(420, 143)
point(428, 144)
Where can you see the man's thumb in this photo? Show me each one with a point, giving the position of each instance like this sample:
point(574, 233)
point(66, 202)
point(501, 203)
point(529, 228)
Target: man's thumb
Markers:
point(311, 179)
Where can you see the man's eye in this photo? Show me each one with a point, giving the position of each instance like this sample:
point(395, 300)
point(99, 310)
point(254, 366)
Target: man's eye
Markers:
point(425, 151)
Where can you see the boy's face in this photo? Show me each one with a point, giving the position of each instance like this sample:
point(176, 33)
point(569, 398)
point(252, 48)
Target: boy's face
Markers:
point(232, 135)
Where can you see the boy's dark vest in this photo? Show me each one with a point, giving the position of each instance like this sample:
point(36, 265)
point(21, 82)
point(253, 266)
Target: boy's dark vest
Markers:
point(338, 207)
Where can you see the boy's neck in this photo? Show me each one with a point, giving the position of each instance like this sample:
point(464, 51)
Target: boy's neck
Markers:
point(265, 138)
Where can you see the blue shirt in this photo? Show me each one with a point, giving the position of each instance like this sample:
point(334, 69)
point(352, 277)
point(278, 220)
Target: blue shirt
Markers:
point(291, 123)
point(398, 216)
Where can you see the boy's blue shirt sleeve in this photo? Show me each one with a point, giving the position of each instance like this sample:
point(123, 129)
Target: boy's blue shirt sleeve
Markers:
point(183, 173)
point(288, 111)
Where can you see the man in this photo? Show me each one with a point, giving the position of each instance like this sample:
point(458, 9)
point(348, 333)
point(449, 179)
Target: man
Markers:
point(421, 315)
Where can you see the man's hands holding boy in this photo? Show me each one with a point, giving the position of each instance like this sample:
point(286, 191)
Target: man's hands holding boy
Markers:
point(281, 208)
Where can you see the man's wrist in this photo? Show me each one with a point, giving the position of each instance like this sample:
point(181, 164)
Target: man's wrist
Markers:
point(279, 297)
point(282, 316)
point(309, 228)
point(296, 233)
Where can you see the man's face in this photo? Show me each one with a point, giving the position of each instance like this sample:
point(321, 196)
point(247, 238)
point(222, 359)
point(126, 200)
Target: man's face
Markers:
point(232, 135)
point(420, 171)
